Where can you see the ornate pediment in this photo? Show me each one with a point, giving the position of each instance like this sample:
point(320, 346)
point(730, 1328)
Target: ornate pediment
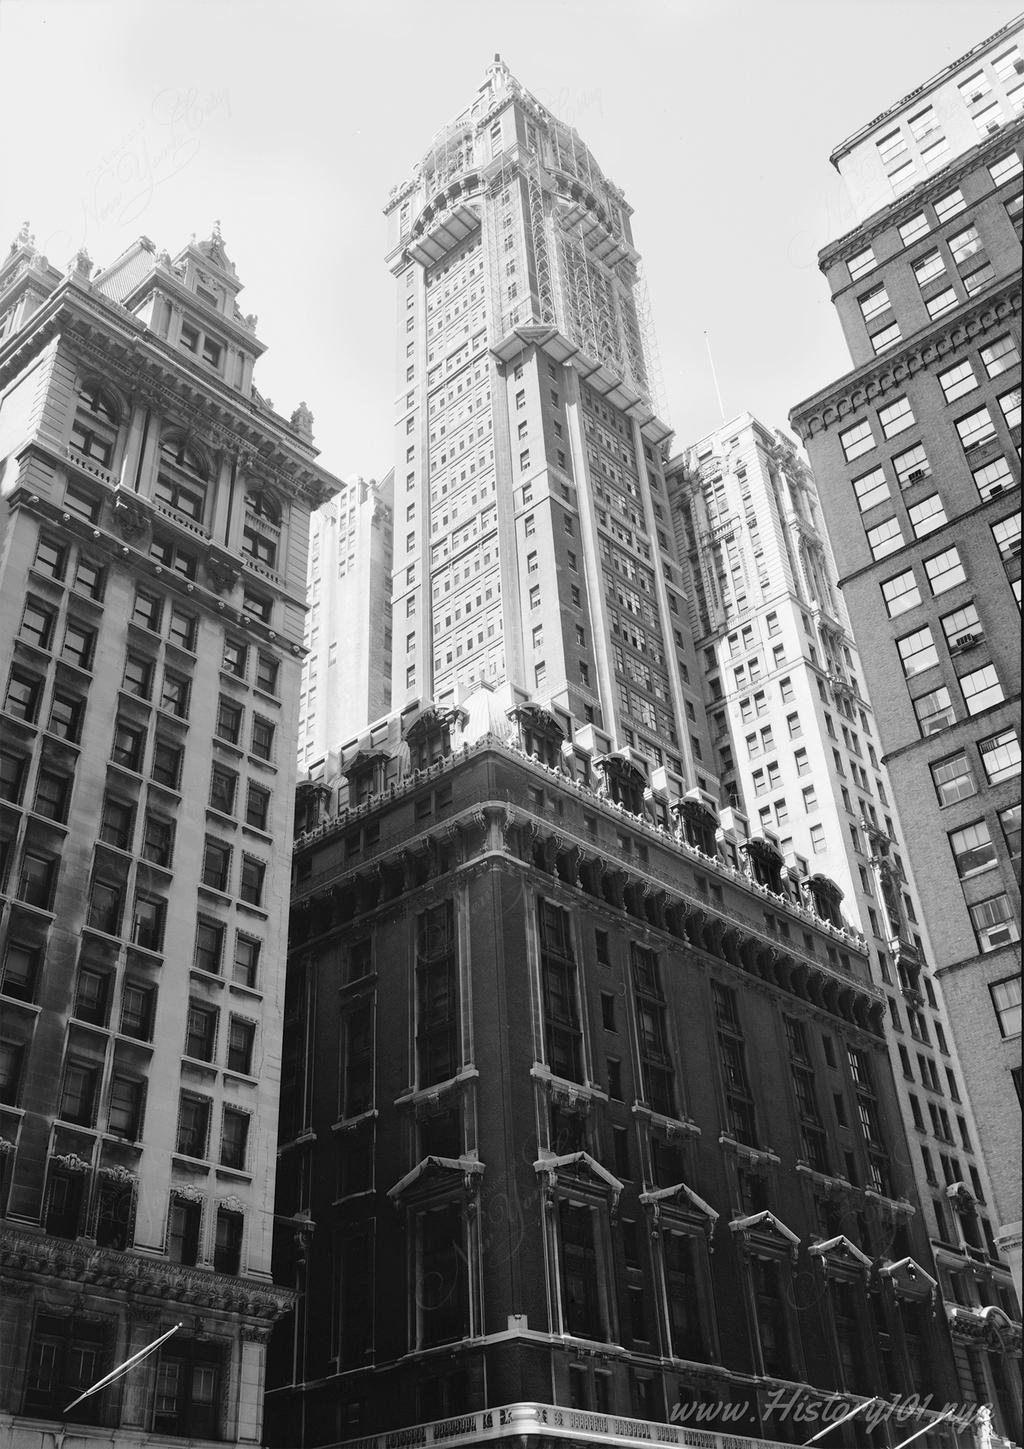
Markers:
point(909, 1279)
point(468, 1169)
point(765, 1229)
point(839, 1252)
point(576, 1165)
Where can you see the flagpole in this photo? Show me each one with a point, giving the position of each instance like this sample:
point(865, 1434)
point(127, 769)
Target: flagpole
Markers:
point(846, 1417)
point(129, 1363)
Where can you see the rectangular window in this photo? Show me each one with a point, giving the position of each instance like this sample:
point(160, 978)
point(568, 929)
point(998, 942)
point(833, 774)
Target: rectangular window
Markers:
point(209, 946)
point(994, 923)
point(901, 593)
point(1000, 756)
point(216, 865)
point(935, 711)
point(927, 516)
point(1006, 1002)
point(229, 721)
point(886, 338)
point(257, 807)
point(993, 478)
point(1009, 402)
point(911, 466)
point(250, 885)
point(234, 1139)
point(944, 570)
point(973, 850)
point(885, 539)
point(437, 1009)
point(857, 440)
point(941, 303)
point(241, 1043)
point(949, 205)
point(1000, 355)
point(981, 689)
point(563, 1032)
point(957, 380)
point(916, 227)
point(975, 429)
point(245, 965)
point(896, 418)
point(1006, 535)
point(871, 488)
point(862, 262)
point(953, 779)
point(873, 303)
point(928, 267)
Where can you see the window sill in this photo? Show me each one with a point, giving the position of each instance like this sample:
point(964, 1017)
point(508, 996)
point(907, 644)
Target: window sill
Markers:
point(233, 1174)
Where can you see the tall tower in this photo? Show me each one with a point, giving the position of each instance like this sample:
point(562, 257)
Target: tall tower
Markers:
point(346, 675)
point(799, 753)
point(917, 455)
point(533, 550)
point(154, 517)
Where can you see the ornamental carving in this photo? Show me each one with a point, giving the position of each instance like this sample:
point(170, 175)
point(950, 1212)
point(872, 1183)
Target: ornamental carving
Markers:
point(130, 518)
point(222, 572)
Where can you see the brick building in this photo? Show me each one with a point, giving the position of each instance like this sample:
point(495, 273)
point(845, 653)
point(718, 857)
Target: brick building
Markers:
point(917, 455)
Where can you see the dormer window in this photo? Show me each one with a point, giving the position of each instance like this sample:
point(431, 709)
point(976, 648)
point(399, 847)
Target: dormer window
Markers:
point(94, 431)
point(190, 337)
point(212, 352)
point(201, 345)
point(182, 480)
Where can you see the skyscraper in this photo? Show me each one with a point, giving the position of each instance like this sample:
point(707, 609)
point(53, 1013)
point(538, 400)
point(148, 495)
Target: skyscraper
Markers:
point(556, 1025)
point(917, 456)
point(533, 548)
point(153, 532)
point(346, 674)
point(798, 751)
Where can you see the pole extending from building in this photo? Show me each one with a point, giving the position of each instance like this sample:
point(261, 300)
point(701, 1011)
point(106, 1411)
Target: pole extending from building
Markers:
point(931, 1425)
point(714, 374)
point(123, 1368)
point(859, 1409)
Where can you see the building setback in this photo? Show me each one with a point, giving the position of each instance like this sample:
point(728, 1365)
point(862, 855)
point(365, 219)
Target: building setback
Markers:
point(917, 456)
point(582, 1118)
point(153, 535)
point(346, 674)
point(798, 753)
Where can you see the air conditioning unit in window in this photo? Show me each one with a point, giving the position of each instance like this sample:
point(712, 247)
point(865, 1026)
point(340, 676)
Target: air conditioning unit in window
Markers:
point(1014, 548)
point(996, 489)
point(916, 474)
point(992, 127)
point(965, 641)
point(976, 98)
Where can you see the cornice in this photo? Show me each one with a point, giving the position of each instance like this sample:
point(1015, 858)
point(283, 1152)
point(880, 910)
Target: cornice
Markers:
point(35, 1257)
point(118, 344)
point(842, 398)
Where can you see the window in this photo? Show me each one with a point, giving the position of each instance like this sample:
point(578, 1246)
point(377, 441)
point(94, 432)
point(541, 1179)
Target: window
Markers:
point(962, 628)
point(1000, 355)
point(52, 794)
point(871, 488)
point(896, 418)
point(885, 539)
point(994, 923)
point(209, 945)
point(901, 593)
point(229, 721)
point(976, 428)
point(65, 717)
point(927, 516)
point(981, 689)
point(148, 923)
point(1009, 402)
point(257, 807)
point(223, 785)
point(267, 671)
point(216, 865)
point(147, 610)
point(1007, 1005)
point(935, 711)
point(1006, 534)
point(857, 440)
point(67, 1353)
point(917, 651)
point(137, 1011)
point(12, 777)
point(51, 558)
point(928, 267)
point(125, 1109)
point(193, 1125)
point(78, 1093)
point(36, 625)
point(948, 205)
point(182, 630)
point(1000, 756)
point(873, 303)
point(245, 964)
point(241, 1041)
point(581, 1271)
point(941, 303)
point(916, 227)
point(250, 886)
point(118, 823)
point(20, 965)
point(181, 481)
point(1009, 824)
point(235, 657)
point(956, 381)
point(972, 849)
point(262, 745)
point(944, 570)
point(174, 695)
point(24, 692)
point(886, 338)
point(861, 262)
point(911, 466)
point(36, 880)
point(953, 779)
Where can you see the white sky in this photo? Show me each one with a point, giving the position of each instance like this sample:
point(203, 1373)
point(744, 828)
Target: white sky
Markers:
point(290, 122)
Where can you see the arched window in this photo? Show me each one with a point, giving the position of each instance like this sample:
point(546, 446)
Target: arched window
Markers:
point(261, 535)
point(182, 478)
point(263, 505)
point(94, 431)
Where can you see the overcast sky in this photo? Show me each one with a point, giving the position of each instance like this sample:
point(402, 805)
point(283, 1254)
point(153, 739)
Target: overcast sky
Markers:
point(290, 122)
